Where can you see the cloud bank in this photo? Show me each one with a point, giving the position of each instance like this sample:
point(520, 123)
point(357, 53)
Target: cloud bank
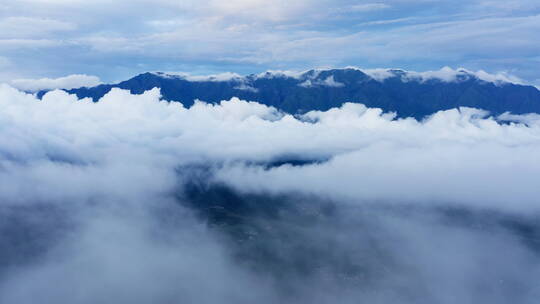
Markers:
point(65, 37)
point(445, 74)
point(67, 82)
point(136, 200)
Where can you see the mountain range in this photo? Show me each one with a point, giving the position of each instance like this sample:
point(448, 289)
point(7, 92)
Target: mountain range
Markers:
point(409, 94)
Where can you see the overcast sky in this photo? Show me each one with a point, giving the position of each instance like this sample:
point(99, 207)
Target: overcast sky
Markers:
point(115, 40)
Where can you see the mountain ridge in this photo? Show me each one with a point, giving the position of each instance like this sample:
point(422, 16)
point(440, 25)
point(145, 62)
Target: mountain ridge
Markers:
point(409, 94)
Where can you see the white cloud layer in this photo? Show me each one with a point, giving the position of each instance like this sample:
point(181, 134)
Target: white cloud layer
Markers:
point(446, 74)
point(67, 82)
point(107, 176)
point(450, 157)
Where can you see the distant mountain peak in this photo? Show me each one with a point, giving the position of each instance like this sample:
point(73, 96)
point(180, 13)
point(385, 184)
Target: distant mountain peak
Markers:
point(408, 93)
point(222, 77)
point(312, 78)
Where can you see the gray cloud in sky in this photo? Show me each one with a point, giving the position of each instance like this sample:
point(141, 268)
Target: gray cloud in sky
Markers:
point(117, 40)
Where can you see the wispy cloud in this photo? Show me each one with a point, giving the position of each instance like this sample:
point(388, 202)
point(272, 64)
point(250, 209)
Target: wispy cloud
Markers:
point(249, 36)
point(26, 27)
point(67, 82)
point(368, 7)
point(389, 21)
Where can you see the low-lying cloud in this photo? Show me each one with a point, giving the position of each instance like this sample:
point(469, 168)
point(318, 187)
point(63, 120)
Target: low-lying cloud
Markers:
point(446, 74)
point(67, 82)
point(136, 200)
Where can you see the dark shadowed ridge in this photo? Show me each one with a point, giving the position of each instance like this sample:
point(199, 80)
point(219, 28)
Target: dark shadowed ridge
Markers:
point(322, 90)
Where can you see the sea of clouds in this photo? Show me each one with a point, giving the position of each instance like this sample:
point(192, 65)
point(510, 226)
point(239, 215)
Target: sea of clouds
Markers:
point(115, 202)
